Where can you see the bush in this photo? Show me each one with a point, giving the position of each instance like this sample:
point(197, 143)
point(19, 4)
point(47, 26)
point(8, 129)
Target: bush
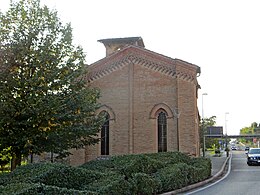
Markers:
point(99, 164)
point(54, 174)
point(69, 177)
point(144, 184)
point(137, 164)
point(217, 151)
point(34, 189)
point(31, 172)
point(113, 184)
point(203, 166)
point(173, 177)
point(169, 158)
point(126, 174)
point(4, 178)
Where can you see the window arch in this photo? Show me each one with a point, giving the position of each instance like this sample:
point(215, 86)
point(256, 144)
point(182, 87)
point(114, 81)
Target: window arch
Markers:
point(161, 106)
point(105, 135)
point(162, 131)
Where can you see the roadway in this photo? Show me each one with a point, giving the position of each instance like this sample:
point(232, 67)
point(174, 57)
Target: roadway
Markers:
point(240, 179)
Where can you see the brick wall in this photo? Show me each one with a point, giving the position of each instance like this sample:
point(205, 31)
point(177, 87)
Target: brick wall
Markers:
point(135, 93)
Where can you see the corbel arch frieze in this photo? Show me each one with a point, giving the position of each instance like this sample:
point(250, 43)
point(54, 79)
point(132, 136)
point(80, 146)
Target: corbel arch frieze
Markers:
point(108, 109)
point(161, 106)
point(167, 68)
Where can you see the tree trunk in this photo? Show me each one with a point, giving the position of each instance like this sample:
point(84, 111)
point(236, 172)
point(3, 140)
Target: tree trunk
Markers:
point(16, 160)
point(52, 157)
point(31, 159)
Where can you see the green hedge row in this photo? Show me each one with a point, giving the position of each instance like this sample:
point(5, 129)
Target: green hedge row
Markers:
point(38, 188)
point(126, 174)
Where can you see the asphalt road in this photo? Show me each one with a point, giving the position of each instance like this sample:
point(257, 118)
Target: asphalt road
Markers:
point(242, 179)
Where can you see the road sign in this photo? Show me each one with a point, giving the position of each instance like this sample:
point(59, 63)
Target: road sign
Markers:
point(214, 130)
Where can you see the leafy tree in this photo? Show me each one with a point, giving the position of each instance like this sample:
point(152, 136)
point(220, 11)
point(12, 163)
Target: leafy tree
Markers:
point(45, 103)
point(246, 130)
point(254, 128)
point(204, 124)
point(4, 158)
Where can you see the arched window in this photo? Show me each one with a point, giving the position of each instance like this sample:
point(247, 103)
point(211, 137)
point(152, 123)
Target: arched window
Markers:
point(162, 132)
point(105, 136)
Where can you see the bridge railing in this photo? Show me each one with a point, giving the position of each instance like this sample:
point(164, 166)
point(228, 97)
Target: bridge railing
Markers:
point(233, 136)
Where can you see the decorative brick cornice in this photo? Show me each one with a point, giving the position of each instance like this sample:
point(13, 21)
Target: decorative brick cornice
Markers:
point(171, 67)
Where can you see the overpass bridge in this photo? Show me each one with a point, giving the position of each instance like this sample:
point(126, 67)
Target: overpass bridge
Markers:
point(226, 137)
point(232, 136)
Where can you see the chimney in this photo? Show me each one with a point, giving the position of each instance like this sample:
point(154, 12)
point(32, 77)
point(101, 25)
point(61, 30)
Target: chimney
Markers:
point(116, 44)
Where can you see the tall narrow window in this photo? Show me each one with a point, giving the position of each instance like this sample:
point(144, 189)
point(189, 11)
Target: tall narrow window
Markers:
point(162, 132)
point(105, 137)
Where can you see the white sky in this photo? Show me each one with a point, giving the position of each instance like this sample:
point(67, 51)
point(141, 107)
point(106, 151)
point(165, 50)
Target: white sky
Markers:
point(221, 36)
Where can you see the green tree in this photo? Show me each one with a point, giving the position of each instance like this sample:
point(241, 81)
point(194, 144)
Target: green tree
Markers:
point(45, 103)
point(254, 128)
point(247, 130)
point(204, 124)
point(4, 158)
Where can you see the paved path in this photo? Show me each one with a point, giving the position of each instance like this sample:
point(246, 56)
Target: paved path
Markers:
point(217, 162)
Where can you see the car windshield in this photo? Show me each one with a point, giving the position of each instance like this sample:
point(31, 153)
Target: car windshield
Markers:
point(254, 151)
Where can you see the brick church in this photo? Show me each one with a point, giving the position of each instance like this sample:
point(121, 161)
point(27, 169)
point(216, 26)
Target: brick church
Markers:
point(150, 101)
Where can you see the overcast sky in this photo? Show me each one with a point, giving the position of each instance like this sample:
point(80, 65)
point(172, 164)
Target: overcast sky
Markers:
point(221, 36)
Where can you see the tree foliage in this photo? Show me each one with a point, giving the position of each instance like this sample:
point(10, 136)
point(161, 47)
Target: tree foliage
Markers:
point(45, 103)
point(208, 122)
point(254, 128)
point(204, 124)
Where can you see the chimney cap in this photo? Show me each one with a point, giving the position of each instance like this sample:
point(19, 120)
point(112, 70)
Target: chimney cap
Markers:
point(138, 41)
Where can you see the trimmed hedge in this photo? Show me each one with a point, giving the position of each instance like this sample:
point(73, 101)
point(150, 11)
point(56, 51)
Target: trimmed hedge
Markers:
point(69, 177)
point(31, 172)
point(4, 178)
point(136, 164)
point(33, 189)
point(126, 174)
point(144, 184)
point(113, 184)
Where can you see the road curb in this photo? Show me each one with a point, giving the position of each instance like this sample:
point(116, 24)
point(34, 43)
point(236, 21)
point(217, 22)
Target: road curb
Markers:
point(202, 183)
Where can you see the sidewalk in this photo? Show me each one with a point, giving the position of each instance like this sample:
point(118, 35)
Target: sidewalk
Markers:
point(217, 162)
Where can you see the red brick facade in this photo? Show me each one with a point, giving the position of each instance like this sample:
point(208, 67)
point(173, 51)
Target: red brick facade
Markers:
point(136, 84)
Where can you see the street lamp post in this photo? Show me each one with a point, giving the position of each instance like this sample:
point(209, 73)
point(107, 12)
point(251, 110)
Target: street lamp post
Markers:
point(177, 115)
point(226, 133)
point(203, 131)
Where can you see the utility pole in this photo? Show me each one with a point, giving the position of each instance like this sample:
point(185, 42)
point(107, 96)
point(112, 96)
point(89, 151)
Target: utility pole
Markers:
point(203, 130)
point(226, 133)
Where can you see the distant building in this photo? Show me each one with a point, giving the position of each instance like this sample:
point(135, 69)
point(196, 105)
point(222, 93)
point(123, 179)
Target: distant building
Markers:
point(150, 101)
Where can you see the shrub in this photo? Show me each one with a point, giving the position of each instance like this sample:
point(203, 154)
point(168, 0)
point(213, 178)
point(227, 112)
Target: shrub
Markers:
point(137, 164)
point(144, 184)
point(31, 172)
point(217, 151)
point(4, 178)
point(69, 177)
point(100, 164)
point(173, 177)
point(34, 189)
point(113, 184)
point(203, 166)
point(169, 158)
point(126, 174)
point(54, 174)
